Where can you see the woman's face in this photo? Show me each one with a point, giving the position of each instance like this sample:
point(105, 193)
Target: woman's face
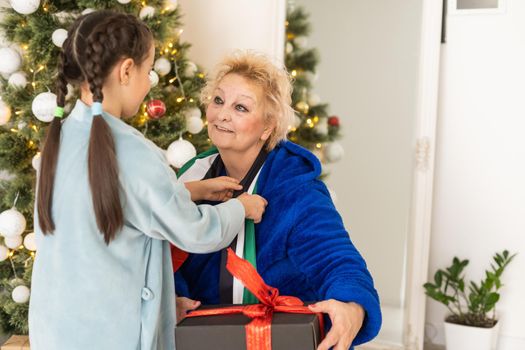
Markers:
point(235, 116)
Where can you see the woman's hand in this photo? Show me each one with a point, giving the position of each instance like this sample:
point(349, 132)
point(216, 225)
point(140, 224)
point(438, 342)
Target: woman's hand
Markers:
point(347, 319)
point(218, 189)
point(254, 206)
point(184, 305)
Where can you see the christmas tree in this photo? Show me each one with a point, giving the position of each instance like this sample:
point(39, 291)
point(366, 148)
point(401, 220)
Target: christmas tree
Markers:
point(33, 33)
point(314, 128)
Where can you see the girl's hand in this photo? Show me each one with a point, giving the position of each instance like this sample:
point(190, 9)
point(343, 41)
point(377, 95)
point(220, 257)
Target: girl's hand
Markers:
point(254, 206)
point(184, 305)
point(218, 189)
point(347, 319)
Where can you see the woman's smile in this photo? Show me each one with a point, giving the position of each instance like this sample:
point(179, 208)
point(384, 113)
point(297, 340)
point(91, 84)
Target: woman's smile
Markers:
point(223, 129)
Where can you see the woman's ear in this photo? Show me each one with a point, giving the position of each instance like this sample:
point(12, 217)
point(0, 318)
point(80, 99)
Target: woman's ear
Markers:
point(125, 71)
point(268, 130)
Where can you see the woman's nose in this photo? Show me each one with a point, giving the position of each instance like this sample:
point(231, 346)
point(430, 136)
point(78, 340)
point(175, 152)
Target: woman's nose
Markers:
point(224, 115)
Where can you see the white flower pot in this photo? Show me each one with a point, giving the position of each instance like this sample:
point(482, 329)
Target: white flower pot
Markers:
point(459, 337)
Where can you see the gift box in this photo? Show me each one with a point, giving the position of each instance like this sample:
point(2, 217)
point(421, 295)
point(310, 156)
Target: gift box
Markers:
point(278, 322)
point(16, 342)
point(288, 332)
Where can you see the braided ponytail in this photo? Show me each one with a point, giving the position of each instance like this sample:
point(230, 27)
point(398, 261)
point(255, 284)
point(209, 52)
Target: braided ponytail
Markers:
point(102, 157)
point(49, 154)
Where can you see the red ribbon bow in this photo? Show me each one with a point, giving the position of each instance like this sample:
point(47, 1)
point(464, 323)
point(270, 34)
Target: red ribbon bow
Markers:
point(258, 332)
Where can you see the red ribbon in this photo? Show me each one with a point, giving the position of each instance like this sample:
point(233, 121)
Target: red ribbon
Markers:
point(258, 331)
point(178, 257)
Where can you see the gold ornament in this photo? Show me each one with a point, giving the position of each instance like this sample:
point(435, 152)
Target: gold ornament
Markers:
point(302, 107)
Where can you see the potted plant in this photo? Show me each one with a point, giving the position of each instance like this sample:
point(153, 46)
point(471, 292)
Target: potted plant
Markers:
point(472, 322)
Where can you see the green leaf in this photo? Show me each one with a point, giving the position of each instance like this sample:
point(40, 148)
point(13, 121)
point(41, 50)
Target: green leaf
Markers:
point(438, 278)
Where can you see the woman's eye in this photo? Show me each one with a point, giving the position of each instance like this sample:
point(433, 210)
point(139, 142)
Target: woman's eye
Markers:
point(241, 108)
point(217, 100)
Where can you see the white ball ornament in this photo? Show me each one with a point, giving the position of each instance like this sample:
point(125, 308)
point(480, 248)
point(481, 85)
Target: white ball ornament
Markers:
point(25, 7)
point(170, 5)
point(12, 223)
point(44, 105)
point(147, 11)
point(190, 69)
point(162, 66)
point(17, 80)
point(179, 152)
point(334, 151)
point(13, 242)
point(20, 294)
point(10, 60)
point(30, 242)
point(5, 113)
point(194, 125)
point(35, 162)
point(153, 78)
point(4, 253)
point(193, 112)
point(59, 36)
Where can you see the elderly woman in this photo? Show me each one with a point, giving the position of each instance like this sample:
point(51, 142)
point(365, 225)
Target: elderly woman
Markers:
point(301, 246)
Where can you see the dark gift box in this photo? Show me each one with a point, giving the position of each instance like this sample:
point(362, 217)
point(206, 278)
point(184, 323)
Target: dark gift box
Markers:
point(289, 332)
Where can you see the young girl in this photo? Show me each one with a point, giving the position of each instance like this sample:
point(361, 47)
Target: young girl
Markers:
point(107, 202)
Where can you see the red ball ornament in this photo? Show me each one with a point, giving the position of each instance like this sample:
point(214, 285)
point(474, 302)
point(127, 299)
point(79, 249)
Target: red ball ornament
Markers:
point(156, 109)
point(333, 121)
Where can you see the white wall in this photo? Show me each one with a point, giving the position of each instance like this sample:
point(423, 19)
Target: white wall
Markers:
point(368, 75)
point(479, 201)
point(214, 28)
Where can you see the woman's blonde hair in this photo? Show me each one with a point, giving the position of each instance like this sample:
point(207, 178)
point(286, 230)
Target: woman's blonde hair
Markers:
point(275, 85)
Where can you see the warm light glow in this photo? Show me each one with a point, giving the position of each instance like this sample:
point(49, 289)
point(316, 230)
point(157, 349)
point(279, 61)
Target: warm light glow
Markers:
point(309, 121)
point(318, 145)
point(172, 80)
point(201, 75)
point(34, 127)
point(294, 73)
point(316, 119)
point(191, 99)
point(180, 99)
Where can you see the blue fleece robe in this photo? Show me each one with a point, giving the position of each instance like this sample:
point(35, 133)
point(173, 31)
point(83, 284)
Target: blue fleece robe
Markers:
point(302, 246)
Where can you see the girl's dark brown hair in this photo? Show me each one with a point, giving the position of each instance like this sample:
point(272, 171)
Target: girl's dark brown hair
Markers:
point(95, 43)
